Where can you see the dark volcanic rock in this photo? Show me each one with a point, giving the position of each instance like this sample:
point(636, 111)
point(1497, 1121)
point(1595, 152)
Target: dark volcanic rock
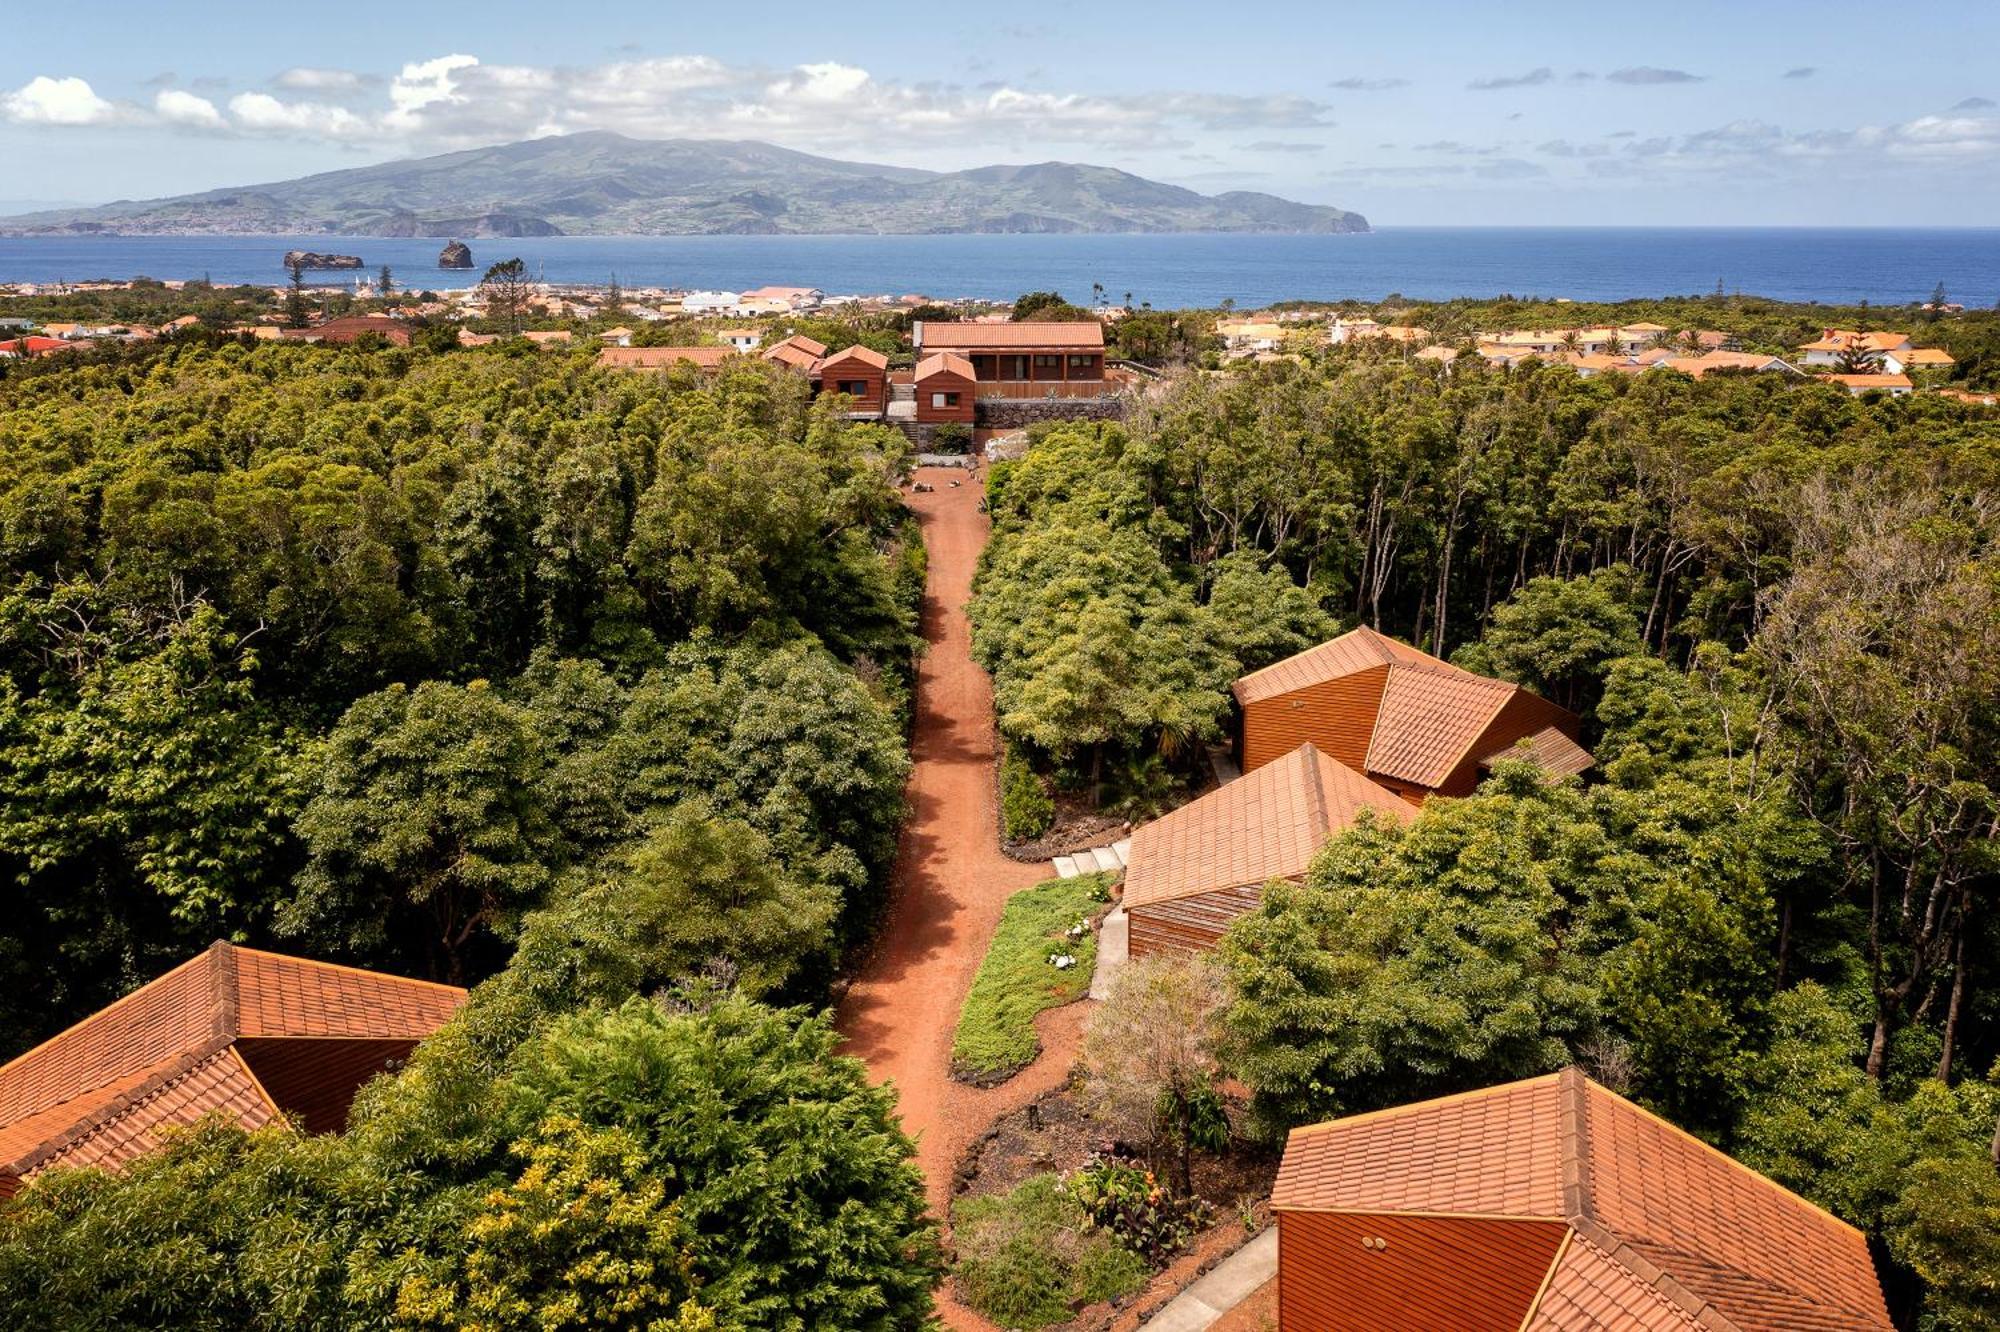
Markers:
point(455, 255)
point(314, 259)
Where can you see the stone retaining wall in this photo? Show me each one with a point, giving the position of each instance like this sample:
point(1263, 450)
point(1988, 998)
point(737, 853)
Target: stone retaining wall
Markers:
point(1014, 413)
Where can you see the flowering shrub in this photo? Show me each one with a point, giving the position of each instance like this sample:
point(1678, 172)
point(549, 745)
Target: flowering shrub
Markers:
point(1123, 1198)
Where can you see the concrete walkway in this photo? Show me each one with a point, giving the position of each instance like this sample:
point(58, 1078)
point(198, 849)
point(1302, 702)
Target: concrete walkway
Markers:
point(1105, 859)
point(1114, 949)
point(1231, 1282)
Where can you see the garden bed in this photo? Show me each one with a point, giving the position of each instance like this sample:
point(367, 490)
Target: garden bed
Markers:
point(1025, 1257)
point(1078, 826)
point(1017, 980)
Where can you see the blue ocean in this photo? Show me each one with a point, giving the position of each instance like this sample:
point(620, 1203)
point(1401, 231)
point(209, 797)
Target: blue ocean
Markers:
point(1882, 266)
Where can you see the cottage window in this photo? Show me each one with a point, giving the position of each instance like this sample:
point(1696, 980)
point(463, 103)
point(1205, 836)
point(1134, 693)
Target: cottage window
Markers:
point(1082, 362)
point(1047, 362)
point(855, 387)
point(942, 400)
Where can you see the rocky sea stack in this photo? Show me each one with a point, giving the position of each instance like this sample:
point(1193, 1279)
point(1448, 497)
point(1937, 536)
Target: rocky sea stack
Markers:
point(455, 255)
point(314, 259)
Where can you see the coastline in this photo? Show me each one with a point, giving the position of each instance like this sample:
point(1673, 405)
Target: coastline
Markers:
point(1831, 265)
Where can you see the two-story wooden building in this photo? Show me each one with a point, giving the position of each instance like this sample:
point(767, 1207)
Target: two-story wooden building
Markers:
point(1025, 360)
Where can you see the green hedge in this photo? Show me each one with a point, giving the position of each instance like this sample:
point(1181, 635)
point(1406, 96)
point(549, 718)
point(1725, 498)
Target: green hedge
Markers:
point(1026, 808)
point(996, 1030)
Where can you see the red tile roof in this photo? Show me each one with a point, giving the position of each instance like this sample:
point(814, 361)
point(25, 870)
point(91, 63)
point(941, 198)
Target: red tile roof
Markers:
point(657, 358)
point(1666, 1232)
point(1355, 650)
point(1086, 335)
point(1267, 824)
point(798, 351)
point(943, 363)
point(797, 357)
point(868, 356)
point(1431, 716)
point(36, 346)
point(1548, 747)
point(220, 1083)
point(158, 1055)
point(1871, 381)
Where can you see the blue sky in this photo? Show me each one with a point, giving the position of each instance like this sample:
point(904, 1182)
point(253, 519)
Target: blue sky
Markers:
point(1753, 112)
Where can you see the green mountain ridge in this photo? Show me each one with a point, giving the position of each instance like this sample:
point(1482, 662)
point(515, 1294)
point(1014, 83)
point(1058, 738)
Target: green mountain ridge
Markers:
point(603, 184)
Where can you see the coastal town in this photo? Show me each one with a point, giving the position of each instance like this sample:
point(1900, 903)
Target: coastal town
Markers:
point(997, 364)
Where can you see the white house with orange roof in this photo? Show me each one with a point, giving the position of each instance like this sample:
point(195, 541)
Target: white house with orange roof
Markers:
point(1834, 344)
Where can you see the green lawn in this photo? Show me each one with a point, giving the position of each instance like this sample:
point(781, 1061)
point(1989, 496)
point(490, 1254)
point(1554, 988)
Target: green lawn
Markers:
point(996, 1030)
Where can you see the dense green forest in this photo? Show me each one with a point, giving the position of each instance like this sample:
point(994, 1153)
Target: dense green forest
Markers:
point(486, 666)
point(1767, 913)
point(367, 653)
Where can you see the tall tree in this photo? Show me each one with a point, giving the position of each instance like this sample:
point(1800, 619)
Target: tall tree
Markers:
point(1885, 647)
point(429, 821)
point(507, 289)
point(295, 298)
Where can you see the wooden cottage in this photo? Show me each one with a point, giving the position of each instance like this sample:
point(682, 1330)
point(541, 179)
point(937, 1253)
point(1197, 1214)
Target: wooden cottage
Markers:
point(1399, 716)
point(249, 1035)
point(798, 351)
point(862, 374)
point(945, 389)
point(1551, 1205)
point(1190, 873)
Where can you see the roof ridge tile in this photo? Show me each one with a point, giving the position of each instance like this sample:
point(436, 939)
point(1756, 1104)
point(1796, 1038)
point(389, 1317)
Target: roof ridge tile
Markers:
point(1620, 1251)
point(225, 991)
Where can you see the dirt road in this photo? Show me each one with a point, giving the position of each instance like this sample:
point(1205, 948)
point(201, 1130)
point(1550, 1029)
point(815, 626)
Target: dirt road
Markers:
point(951, 879)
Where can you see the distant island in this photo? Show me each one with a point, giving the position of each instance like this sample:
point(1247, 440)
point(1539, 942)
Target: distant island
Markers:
point(605, 184)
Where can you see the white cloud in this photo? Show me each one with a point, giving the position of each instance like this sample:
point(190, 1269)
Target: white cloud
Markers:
point(426, 83)
point(46, 101)
point(261, 113)
point(1534, 78)
point(827, 83)
point(307, 78)
point(455, 101)
point(184, 108)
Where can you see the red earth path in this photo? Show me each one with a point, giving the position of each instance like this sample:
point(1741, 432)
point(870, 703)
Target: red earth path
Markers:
point(951, 879)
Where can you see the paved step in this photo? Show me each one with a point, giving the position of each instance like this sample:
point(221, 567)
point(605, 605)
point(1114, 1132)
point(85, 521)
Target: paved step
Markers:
point(1066, 868)
point(1123, 850)
point(1106, 859)
point(1114, 942)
